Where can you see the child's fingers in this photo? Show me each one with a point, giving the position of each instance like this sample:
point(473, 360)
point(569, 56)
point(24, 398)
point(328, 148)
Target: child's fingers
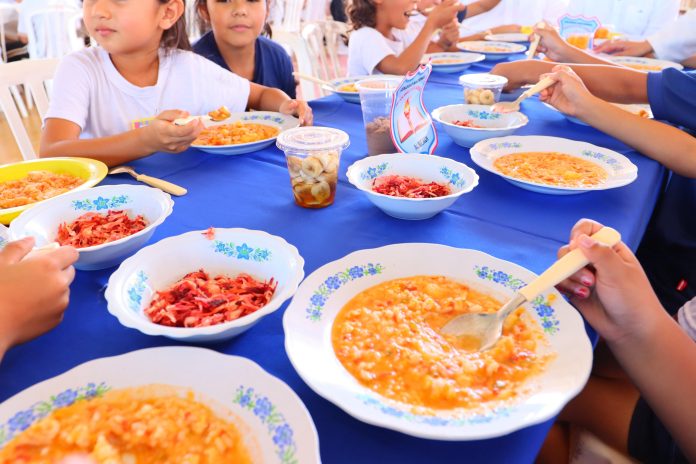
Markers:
point(64, 256)
point(573, 288)
point(584, 227)
point(172, 115)
point(15, 251)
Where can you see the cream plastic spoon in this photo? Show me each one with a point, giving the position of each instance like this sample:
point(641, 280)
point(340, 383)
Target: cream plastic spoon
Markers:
point(149, 180)
point(509, 107)
point(488, 327)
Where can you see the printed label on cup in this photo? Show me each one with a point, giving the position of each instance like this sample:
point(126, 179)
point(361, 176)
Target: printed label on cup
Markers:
point(578, 31)
point(412, 128)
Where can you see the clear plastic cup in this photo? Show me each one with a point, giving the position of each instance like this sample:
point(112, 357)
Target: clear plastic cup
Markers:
point(376, 101)
point(482, 89)
point(313, 155)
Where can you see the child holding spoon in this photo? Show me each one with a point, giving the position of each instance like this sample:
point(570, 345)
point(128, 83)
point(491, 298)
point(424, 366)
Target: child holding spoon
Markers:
point(117, 102)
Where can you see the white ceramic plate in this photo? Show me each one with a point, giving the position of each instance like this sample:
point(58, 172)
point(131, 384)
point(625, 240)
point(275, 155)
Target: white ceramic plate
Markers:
point(452, 62)
point(515, 37)
point(42, 221)
point(309, 319)
point(494, 51)
point(637, 109)
point(620, 170)
point(644, 64)
point(231, 251)
point(350, 97)
point(281, 429)
point(459, 177)
point(492, 124)
point(281, 121)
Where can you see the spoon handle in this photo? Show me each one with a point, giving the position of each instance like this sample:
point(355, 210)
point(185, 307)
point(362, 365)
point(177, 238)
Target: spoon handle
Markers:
point(567, 265)
point(162, 185)
point(316, 80)
point(536, 88)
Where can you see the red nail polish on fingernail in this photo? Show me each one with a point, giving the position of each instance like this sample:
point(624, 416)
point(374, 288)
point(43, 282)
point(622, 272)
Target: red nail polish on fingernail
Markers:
point(582, 292)
point(586, 282)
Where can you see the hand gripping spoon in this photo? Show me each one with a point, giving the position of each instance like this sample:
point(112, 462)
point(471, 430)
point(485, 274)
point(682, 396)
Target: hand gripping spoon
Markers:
point(509, 107)
point(488, 327)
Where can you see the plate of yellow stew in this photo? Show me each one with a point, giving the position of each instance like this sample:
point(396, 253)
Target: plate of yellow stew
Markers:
point(554, 165)
point(243, 133)
point(167, 404)
point(364, 333)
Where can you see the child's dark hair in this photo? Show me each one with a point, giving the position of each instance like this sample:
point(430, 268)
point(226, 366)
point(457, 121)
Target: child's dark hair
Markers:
point(176, 36)
point(361, 13)
point(205, 24)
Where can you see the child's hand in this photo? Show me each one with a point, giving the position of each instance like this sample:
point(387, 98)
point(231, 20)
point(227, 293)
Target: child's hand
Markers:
point(552, 44)
point(449, 35)
point(625, 48)
point(163, 135)
point(569, 94)
point(35, 290)
point(300, 109)
point(613, 294)
point(444, 13)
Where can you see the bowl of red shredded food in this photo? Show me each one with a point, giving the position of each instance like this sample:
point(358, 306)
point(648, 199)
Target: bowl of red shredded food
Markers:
point(468, 124)
point(412, 186)
point(205, 285)
point(105, 224)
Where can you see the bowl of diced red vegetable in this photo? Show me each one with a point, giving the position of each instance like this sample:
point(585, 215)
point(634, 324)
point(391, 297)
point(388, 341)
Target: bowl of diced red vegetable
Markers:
point(412, 186)
point(205, 286)
point(106, 224)
point(469, 124)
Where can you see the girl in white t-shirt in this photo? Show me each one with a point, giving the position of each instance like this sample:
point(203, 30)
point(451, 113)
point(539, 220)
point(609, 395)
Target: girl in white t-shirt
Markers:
point(117, 102)
point(384, 42)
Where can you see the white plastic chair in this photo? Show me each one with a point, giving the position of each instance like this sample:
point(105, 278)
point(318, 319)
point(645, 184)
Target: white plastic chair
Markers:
point(52, 31)
point(31, 73)
point(333, 37)
point(297, 47)
point(292, 16)
point(193, 25)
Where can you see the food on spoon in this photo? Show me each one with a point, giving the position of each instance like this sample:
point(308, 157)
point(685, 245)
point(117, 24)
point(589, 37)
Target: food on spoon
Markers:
point(92, 229)
point(235, 133)
point(408, 187)
point(348, 88)
point(132, 425)
point(551, 168)
point(36, 186)
point(220, 114)
point(388, 338)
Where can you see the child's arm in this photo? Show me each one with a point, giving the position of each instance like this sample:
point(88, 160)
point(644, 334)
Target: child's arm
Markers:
point(673, 148)
point(613, 83)
point(35, 290)
point(625, 48)
point(61, 137)
point(556, 49)
point(482, 6)
point(617, 300)
point(271, 99)
point(411, 57)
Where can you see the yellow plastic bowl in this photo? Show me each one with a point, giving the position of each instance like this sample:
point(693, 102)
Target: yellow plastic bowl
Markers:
point(92, 171)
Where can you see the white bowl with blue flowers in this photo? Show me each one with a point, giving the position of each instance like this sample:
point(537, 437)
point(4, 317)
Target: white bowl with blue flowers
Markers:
point(42, 221)
point(494, 51)
point(309, 319)
point(491, 124)
point(458, 177)
point(227, 251)
point(280, 121)
point(274, 423)
point(620, 170)
point(452, 62)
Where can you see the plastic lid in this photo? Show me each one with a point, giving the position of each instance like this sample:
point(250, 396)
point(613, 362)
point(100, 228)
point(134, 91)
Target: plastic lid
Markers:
point(313, 139)
point(378, 84)
point(482, 80)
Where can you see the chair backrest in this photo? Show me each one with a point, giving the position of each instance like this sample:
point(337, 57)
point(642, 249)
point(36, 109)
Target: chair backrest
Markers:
point(31, 73)
point(193, 24)
point(292, 16)
point(313, 34)
point(297, 47)
point(52, 31)
point(334, 31)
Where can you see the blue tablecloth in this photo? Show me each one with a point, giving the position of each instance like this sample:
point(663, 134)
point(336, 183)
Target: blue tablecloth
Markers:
point(253, 191)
